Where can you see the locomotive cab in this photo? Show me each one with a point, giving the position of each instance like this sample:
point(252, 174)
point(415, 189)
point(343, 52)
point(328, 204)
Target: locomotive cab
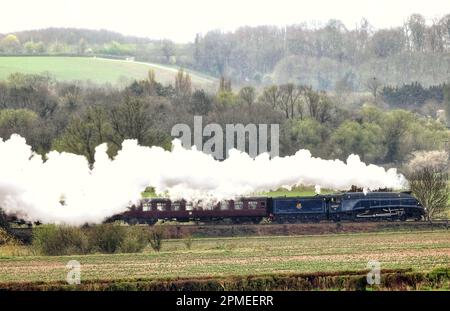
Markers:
point(333, 207)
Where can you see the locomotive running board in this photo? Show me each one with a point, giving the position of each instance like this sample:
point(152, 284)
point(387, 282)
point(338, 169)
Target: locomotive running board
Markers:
point(388, 213)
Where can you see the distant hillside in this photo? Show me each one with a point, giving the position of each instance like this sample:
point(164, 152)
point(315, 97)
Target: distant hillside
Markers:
point(327, 57)
point(331, 56)
point(74, 35)
point(86, 42)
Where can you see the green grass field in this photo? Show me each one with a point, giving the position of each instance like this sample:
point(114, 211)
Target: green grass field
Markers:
point(224, 257)
point(97, 70)
point(294, 192)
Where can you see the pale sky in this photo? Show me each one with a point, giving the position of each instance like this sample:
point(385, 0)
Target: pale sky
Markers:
point(180, 20)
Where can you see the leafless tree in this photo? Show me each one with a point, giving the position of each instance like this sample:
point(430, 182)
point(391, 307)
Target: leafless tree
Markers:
point(248, 94)
point(270, 96)
point(183, 87)
point(430, 186)
point(373, 85)
point(290, 100)
point(318, 104)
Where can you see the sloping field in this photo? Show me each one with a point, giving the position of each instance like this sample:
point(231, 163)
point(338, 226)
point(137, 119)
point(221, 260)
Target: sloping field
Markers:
point(98, 70)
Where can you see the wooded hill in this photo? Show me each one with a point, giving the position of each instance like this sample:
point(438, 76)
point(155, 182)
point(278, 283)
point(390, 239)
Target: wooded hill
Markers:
point(328, 57)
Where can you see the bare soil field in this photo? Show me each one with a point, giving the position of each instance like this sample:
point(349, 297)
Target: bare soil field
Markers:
point(411, 260)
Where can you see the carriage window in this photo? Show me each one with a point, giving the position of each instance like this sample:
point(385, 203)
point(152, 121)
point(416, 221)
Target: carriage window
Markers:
point(189, 206)
point(146, 206)
point(160, 206)
point(176, 206)
point(224, 205)
point(252, 204)
point(238, 205)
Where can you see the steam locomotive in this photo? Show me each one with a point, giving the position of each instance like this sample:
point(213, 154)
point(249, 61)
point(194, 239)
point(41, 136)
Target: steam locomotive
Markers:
point(350, 206)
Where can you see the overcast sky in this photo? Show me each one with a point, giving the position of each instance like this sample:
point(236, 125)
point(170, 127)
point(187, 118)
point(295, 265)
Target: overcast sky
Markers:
point(180, 20)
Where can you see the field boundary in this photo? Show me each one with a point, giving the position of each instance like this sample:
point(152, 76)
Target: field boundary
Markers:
point(178, 231)
point(400, 279)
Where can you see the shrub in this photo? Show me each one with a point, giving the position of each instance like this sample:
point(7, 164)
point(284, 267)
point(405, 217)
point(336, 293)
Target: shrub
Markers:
point(5, 237)
point(55, 240)
point(136, 239)
point(3, 221)
point(10, 246)
point(107, 238)
point(156, 237)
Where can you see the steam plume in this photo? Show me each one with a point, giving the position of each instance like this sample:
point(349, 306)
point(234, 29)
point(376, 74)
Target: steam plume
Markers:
point(63, 189)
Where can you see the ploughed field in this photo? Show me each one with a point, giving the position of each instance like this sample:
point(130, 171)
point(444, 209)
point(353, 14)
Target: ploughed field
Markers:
point(241, 258)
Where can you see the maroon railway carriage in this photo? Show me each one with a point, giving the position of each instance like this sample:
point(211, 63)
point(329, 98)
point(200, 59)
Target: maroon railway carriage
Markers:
point(238, 211)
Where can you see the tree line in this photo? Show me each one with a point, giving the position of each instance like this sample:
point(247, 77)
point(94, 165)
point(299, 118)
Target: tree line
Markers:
point(76, 117)
point(412, 95)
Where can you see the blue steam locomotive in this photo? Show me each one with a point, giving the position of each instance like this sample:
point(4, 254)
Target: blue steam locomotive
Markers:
point(350, 206)
point(355, 206)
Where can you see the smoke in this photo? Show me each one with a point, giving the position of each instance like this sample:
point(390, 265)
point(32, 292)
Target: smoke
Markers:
point(63, 189)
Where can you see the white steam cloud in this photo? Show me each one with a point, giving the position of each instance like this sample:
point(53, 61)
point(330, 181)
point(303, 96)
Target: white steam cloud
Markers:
point(34, 189)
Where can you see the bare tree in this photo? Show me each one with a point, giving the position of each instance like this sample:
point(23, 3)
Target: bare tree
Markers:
point(224, 84)
point(430, 186)
point(318, 104)
point(248, 94)
point(416, 29)
point(168, 49)
point(270, 96)
point(289, 100)
point(183, 87)
point(152, 81)
point(373, 85)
